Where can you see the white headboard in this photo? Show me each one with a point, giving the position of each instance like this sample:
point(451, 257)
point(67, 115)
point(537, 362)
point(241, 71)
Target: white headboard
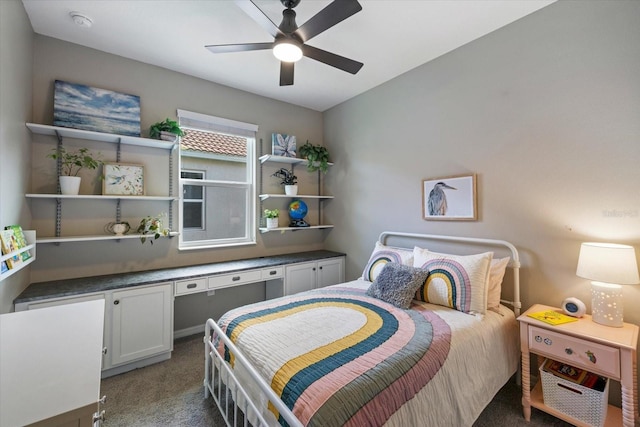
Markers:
point(514, 263)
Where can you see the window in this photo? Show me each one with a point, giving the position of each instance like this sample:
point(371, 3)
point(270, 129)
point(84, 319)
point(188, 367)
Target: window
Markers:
point(217, 181)
point(192, 201)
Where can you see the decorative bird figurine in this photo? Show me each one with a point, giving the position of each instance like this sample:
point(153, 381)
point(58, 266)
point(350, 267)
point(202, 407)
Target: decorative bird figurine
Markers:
point(437, 202)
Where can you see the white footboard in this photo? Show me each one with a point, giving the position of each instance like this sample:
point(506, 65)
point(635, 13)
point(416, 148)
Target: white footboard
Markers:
point(235, 404)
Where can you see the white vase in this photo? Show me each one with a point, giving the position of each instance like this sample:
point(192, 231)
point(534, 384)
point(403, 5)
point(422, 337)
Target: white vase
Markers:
point(168, 136)
point(70, 185)
point(290, 190)
point(272, 222)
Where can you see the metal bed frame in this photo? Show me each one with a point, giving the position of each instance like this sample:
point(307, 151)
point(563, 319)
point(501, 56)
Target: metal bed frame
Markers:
point(231, 397)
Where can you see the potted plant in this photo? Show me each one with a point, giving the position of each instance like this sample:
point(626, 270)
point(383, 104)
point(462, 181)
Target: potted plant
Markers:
point(289, 180)
point(152, 226)
point(272, 217)
point(317, 157)
point(72, 162)
point(167, 130)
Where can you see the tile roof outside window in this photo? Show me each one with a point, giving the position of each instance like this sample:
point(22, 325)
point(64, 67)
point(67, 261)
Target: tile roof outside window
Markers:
point(216, 143)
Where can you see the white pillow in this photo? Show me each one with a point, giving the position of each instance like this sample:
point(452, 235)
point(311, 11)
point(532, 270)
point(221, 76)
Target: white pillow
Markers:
point(496, 274)
point(383, 254)
point(459, 282)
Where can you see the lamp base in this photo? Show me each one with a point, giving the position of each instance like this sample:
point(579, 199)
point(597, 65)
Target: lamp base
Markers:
point(606, 304)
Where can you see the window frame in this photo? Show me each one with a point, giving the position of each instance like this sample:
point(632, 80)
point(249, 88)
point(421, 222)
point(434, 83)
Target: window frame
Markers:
point(203, 215)
point(213, 124)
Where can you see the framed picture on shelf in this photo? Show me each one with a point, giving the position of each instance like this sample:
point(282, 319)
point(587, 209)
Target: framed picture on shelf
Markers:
point(450, 198)
point(89, 108)
point(283, 145)
point(123, 179)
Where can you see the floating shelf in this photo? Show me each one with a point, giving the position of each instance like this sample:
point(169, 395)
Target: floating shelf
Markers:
point(30, 235)
point(283, 229)
point(98, 196)
point(283, 159)
point(99, 136)
point(91, 238)
point(297, 196)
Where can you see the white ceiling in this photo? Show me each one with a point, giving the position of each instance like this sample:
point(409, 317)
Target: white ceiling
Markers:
point(389, 36)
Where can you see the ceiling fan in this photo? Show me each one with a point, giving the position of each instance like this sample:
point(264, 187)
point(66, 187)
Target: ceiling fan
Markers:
point(289, 43)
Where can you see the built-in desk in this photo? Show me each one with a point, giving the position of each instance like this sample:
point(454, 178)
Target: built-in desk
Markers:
point(138, 326)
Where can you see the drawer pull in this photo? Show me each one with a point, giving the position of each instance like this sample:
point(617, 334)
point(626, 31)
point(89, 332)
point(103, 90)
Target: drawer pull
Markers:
point(591, 356)
point(273, 272)
point(191, 285)
point(548, 341)
point(235, 278)
point(538, 338)
point(568, 351)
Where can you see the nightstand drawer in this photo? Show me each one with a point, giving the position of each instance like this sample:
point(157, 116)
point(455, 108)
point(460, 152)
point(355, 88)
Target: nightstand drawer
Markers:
point(226, 280)
point(183, 287)
point(580, 353)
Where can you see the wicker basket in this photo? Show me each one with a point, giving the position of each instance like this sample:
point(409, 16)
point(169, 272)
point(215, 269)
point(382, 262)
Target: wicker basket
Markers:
point(582, 403)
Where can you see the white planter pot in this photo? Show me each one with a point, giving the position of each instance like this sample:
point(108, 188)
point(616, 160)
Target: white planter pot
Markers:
point(290, 190)
point(168, 136)
point(272, 222)
point(70, 185)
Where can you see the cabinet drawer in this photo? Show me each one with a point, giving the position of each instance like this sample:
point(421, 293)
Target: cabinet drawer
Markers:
point(183, 287)
point(578, 352)
point(272, 273)
point(226, 280)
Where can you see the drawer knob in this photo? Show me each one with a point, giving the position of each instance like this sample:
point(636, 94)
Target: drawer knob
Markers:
point(273, 272)
point(538, 338)
point(568, 351)
point(191, 285)
point(548, 341)
point(236, 278)
point(591, 356)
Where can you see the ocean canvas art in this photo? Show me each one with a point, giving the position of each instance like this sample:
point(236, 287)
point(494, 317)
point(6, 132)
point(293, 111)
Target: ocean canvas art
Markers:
point(84, 107)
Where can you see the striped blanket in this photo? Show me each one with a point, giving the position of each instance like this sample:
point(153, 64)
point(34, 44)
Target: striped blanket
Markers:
point(338, 357)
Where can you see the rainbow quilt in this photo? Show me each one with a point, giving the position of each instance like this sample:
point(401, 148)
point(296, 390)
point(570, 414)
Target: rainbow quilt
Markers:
point(338, 357)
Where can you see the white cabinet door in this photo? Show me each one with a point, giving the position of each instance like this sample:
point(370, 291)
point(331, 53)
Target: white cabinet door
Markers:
point(330, 272)
point(300, 277)
point(310, 275)
point(141, 322)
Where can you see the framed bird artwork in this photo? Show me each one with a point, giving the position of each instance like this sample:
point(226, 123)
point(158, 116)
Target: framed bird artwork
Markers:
point(123, 179)
point(450, 198)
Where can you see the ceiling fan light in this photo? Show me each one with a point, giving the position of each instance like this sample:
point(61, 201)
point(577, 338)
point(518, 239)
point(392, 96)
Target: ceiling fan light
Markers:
point(287, 52)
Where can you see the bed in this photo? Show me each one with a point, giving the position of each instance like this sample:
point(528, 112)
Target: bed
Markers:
point(422, 338)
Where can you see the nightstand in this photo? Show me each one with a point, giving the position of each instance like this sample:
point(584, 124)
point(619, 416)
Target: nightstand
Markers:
point(606, 351)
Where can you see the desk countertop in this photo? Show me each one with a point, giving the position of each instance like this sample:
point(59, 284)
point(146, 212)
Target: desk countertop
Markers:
point(84, 285)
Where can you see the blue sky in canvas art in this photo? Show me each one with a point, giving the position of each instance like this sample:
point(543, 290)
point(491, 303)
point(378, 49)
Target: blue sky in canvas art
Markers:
point(84, 107)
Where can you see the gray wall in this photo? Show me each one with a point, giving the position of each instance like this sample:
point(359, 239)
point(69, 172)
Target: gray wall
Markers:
point(16, 46)
point(546, 111)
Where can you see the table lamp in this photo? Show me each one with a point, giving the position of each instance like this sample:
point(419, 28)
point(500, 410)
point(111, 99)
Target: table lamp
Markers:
point(607, 265)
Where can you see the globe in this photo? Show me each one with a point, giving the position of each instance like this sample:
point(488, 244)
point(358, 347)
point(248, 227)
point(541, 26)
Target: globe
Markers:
point(297, 209)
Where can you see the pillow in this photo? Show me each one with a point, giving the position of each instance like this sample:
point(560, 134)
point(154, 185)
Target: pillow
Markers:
point(496, 274)
point(383, 254)
point(397, 284)
point(459, 282)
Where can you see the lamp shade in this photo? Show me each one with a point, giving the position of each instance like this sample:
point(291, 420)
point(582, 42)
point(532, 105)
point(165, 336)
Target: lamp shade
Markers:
point(608, 263)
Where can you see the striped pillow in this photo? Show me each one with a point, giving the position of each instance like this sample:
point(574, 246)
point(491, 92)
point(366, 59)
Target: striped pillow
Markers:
point(383, 254)
point(458, 282)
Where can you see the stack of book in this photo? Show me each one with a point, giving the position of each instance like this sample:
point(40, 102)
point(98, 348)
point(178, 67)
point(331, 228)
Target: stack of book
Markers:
point(575, 375)
point(12, 239)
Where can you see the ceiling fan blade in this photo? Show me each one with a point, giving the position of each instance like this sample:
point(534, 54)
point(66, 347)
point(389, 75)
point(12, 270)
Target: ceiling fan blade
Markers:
point(337, 61)
point(286, 73)
point(334, 13)
point(226, 48)
point(250, 8)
